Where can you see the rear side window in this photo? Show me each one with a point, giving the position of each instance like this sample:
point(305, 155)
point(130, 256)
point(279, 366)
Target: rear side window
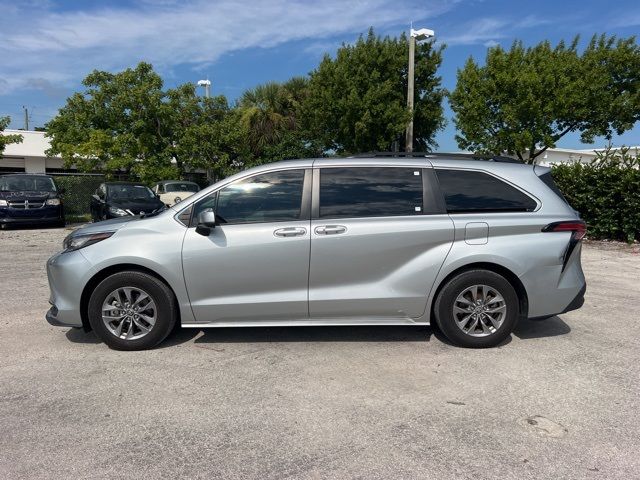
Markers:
point(468, 192)
point(548, 181)
point(370, 192)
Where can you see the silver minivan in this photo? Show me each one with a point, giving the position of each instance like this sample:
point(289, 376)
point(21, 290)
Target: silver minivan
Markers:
point(469, 244)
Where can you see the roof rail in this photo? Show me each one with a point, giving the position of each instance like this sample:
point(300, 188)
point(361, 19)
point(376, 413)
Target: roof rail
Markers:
point(444, 156)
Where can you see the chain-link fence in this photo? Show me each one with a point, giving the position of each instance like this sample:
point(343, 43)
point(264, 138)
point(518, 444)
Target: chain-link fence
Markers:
point(78, 189)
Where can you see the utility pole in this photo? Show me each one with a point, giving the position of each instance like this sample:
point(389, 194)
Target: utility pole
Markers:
point(26, 118)
point(414, 36)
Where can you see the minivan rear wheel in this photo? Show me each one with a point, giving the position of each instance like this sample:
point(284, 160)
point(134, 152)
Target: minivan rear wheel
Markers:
point(477, 309)
point(132, 311)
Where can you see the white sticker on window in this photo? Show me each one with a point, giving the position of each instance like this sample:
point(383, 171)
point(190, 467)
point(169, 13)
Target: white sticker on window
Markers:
point(417, 172)
point(418, 209)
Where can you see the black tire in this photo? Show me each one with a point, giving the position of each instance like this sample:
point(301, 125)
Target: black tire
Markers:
point(160, 293)
point(444, 305)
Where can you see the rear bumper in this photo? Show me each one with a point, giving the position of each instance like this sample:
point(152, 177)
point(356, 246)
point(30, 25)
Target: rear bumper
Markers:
point(577, 302)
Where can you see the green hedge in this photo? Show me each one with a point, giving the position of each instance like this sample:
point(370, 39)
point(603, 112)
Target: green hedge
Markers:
point(78, 191)
point(606, 192)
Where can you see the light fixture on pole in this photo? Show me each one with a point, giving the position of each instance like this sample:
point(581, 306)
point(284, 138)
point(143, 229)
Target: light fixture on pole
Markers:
point(207, 87)
point(415, 35)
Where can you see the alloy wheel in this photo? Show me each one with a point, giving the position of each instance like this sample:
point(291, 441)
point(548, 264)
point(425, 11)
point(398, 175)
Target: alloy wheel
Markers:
point(479, 310)
point(129, 313)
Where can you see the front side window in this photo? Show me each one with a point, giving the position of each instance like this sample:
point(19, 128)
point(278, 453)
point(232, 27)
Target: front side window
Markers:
point(268, 197)
point(370, 192)
point(468, 191)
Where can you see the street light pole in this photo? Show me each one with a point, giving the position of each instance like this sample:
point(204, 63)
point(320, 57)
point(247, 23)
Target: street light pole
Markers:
point(207, 87)
point(414, 36)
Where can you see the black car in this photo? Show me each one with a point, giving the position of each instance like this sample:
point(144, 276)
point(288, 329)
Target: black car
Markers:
point(30, 200)
point(119, 199)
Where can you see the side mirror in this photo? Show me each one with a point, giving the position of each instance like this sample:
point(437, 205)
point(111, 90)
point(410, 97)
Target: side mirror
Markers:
point(95, 197)
point(62, 190)
point(206, 221)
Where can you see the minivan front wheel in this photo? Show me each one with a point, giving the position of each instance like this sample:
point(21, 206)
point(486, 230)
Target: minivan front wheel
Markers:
point(477, 309)
point(132, 311)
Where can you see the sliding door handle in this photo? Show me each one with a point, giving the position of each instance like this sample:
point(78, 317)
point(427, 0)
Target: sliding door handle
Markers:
point(290, 232)
point(330, 229)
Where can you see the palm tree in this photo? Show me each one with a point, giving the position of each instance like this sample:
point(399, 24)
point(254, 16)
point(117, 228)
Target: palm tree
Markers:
point(269, 111)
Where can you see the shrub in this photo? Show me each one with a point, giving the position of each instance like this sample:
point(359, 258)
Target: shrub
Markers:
point(606, 192)
point(77, 194)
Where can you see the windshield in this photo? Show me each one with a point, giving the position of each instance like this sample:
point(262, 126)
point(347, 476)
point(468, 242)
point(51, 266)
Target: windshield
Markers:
point(181, 187)
point(129, 192)
point(24, 183)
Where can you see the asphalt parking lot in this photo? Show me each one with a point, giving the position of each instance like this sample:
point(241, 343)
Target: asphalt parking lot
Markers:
point(560, 400)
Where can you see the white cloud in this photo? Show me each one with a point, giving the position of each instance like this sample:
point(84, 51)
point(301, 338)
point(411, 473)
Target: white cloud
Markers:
point(487, 31)
point(62, 47)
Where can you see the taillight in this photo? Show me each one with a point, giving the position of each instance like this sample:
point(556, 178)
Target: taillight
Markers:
point(578, 227)
point(578, 230)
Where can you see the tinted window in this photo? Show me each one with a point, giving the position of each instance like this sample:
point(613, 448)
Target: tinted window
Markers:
point(370, 192)
point(467, 191)
point(125, 191)
point(269, 197)
point(548, 180)
point(181, 187)
point(23, 183)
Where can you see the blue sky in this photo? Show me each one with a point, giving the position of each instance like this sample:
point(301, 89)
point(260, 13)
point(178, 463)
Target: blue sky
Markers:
point(48, 46)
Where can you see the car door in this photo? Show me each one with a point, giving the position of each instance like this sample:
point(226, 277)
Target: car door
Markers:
point(254, 265)
point(379, 236)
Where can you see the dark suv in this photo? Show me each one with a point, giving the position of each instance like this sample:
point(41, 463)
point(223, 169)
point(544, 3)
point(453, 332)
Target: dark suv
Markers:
point(30, 200)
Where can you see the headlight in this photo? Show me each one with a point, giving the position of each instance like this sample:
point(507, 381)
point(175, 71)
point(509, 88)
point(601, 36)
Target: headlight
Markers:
point(117, 211)
point(53, 201)
point(75, 242)
point(4, 203)
point(177, 200)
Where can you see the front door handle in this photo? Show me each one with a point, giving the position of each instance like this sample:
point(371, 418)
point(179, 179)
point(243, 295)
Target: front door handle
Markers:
point(290, 232)
point(330, 229)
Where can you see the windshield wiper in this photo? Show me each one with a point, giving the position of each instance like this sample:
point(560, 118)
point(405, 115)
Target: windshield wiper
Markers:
point(152, 213)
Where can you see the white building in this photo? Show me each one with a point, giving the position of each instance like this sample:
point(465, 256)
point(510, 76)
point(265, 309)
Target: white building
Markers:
point(29, 156)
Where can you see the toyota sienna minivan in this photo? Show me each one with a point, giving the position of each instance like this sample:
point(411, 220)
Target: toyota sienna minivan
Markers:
point(472, 245)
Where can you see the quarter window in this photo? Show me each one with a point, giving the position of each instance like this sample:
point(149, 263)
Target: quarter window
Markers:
point(468, 192)
point(268, 197)
point(370, 192)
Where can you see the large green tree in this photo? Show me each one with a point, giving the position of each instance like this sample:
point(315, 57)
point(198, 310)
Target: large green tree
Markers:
point(7, 139)
point(523, 100)
point(126, 122)
point(357, 101)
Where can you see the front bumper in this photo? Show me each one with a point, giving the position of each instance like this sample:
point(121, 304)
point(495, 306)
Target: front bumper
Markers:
point(68, 273)
point(37, 216)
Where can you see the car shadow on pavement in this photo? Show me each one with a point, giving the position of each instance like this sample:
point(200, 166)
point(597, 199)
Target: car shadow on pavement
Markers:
point(550, 327)
point(302, 334)
point(525, 330)
point(78, 335)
